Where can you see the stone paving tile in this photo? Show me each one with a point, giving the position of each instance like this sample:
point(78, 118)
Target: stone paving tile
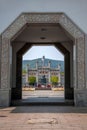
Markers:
point(43, 93)
point(64, 118)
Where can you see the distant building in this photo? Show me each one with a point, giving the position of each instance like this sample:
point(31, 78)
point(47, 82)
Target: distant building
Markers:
point(43, 73)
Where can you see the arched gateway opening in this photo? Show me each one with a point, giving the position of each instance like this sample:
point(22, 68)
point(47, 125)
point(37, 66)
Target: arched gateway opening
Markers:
point(42, 29)
point(43, 76)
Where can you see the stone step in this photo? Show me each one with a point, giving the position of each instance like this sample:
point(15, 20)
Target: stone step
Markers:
point(41, 103)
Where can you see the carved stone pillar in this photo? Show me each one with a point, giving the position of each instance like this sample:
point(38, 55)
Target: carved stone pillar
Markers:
point(5, 95)
point(80, 91)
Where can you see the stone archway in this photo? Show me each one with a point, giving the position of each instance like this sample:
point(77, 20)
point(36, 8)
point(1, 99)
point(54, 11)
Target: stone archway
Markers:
point(79, 53)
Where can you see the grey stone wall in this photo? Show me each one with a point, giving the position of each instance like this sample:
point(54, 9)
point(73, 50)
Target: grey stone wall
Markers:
point(5, 64)
point(80, 62)
point(80, 97)
point(5, 95)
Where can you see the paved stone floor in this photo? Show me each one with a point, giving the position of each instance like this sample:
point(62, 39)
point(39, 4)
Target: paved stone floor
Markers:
point(42, 93)
point(43, 96)
point(43, 118)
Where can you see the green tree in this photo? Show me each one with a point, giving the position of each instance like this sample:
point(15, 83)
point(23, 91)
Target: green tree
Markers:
point(32, 80)
point(54, 80)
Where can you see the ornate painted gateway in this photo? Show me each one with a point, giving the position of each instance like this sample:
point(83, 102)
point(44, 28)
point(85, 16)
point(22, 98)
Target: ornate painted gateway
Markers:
point(23, 33)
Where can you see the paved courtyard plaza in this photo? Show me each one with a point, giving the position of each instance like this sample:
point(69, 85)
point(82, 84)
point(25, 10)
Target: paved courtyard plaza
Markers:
point(40, 97)
point(40, 117)
point(42, 93)
point(43, 118)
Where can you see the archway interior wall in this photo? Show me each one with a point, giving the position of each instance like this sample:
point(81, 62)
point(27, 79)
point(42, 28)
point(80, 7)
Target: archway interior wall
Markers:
point(15, 48)
point(79, 40)
point(69, 47)
point(16, 89)
point(67, 51)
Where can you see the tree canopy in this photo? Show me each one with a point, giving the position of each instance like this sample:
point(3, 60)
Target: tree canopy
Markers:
point(32, 80)
point(54, 80)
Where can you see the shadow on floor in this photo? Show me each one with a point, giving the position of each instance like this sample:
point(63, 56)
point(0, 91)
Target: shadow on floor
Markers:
point(34, 101)
point(49, 109)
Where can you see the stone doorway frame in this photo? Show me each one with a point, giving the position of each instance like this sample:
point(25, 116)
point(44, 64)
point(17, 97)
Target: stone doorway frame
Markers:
point(78, 59)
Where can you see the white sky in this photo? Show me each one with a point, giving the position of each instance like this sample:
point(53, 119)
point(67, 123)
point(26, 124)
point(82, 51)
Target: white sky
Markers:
point(75, 9)
point(40, 51)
